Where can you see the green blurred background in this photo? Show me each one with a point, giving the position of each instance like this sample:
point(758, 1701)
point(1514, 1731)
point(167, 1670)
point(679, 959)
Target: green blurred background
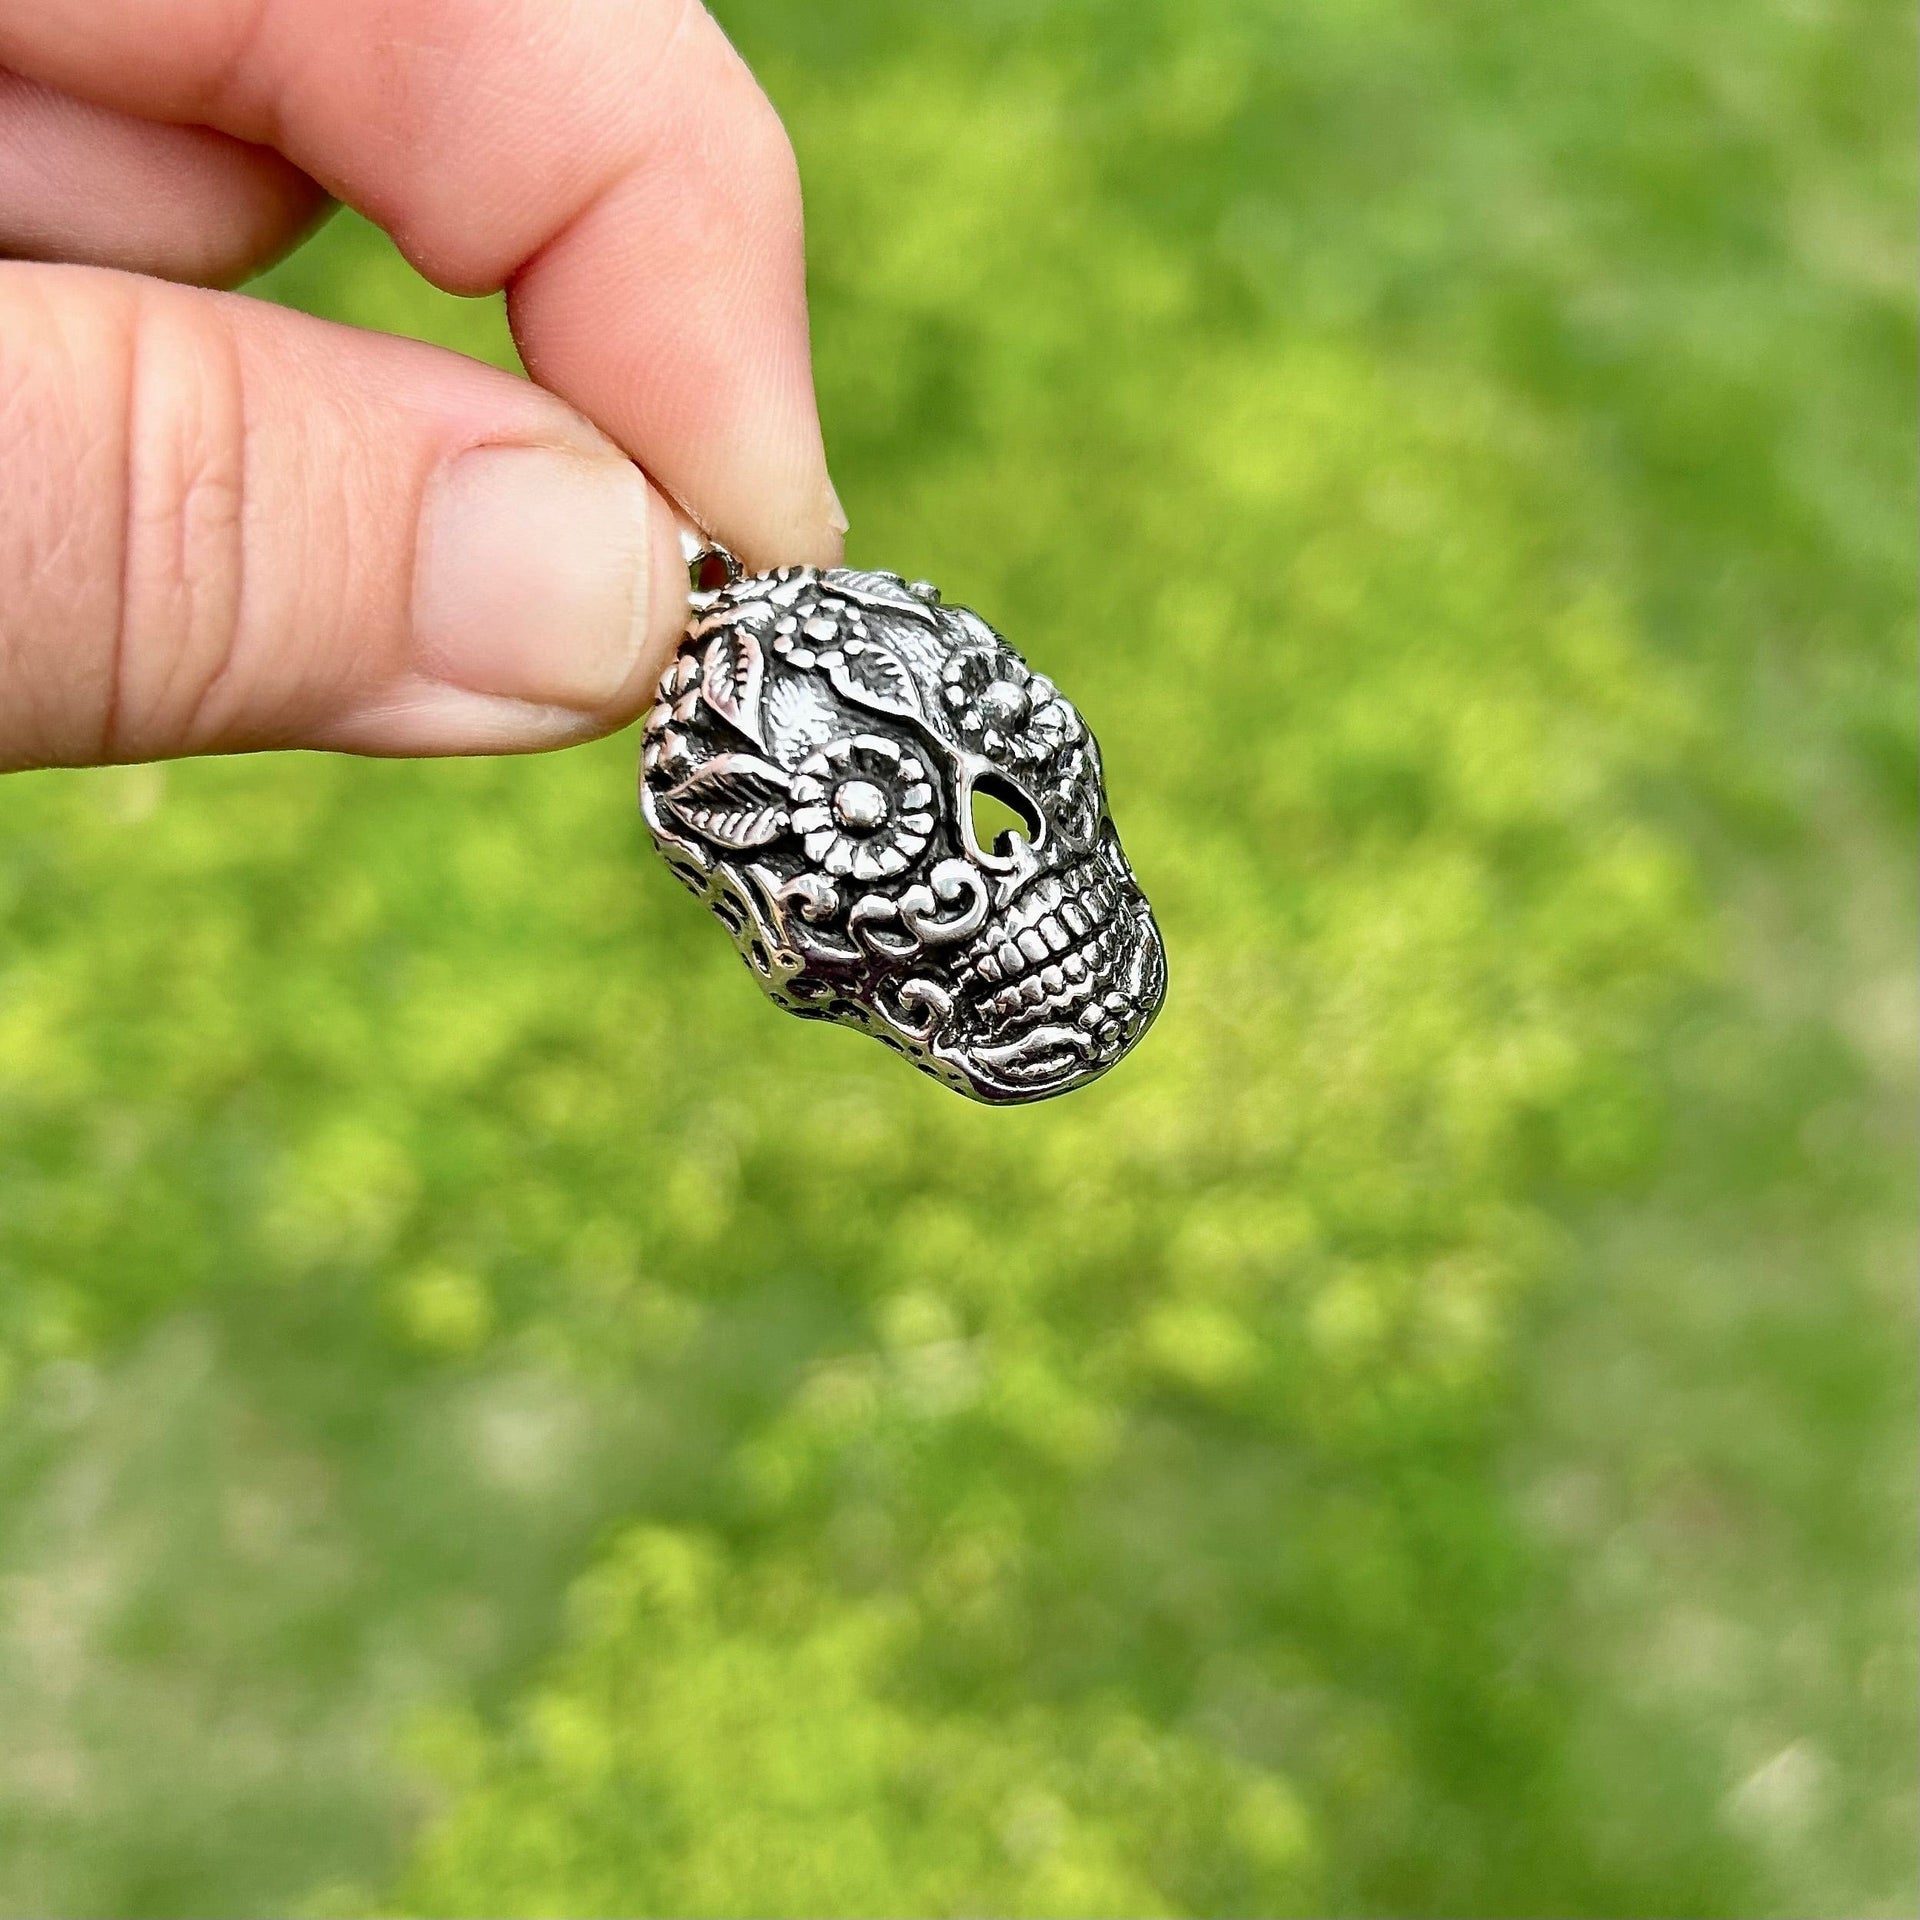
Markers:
point(499, 1420)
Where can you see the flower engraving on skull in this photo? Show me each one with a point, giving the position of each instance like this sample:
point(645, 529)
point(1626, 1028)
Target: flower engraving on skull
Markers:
point(1004, 709)
point(861, 807)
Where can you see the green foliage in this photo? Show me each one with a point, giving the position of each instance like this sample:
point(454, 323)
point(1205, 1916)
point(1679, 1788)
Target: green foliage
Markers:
point(502, 1421)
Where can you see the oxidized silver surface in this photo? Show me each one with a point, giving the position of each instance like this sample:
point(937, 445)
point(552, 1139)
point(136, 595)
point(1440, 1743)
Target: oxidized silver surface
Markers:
point(809, 771)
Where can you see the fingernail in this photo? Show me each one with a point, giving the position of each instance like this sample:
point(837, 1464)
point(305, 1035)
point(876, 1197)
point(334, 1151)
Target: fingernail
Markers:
point(837, 519)
point(533, 576)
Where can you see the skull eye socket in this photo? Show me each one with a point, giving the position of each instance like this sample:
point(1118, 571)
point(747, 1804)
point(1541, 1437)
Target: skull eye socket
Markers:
point(999, 812)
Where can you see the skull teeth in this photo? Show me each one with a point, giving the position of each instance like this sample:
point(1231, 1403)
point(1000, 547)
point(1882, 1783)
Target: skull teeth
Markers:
point(1058, 954)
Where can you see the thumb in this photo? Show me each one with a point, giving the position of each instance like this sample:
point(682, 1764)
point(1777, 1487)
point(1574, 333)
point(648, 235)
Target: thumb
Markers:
point(226, 526)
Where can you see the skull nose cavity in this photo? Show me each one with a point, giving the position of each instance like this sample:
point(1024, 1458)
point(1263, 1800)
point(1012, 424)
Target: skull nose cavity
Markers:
point(860, 806)
point(999, 815)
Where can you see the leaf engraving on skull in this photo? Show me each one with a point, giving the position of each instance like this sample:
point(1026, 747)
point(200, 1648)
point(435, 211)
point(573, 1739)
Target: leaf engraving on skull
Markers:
point(735, 670)
point(886, 590)
point(800, 716)
point(734, 800)
point(877, 677)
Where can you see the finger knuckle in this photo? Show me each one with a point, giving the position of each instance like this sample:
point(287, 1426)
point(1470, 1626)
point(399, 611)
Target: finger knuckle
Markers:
point(64, 356)
point(183, 566)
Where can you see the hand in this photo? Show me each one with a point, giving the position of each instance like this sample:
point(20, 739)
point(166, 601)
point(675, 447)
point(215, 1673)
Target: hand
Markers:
point(227, 526)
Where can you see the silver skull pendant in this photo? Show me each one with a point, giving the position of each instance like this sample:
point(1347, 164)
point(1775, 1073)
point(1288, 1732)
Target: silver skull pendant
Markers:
point(813, 769)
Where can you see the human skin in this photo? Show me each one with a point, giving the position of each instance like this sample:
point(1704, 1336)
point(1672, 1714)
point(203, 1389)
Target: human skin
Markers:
point(226, 526)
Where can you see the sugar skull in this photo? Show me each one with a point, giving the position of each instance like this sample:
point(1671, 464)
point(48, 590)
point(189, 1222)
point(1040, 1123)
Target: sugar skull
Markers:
point(815, 768)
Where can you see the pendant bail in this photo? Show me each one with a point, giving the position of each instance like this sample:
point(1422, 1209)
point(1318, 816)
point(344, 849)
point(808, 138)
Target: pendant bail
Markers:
point(711, 569)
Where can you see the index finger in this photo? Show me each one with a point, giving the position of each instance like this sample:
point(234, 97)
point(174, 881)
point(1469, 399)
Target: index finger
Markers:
point(611, 163)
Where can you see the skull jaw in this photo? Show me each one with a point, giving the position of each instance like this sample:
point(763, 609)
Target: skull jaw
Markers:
point(947, 1036)
point(1058, 1055)
point(927, 1026)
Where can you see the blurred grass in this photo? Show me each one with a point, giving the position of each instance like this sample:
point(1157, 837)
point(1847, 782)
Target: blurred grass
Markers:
point(498, 1420)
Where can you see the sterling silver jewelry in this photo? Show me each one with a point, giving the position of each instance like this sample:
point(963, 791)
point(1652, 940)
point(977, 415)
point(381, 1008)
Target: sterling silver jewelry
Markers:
point(813, 769)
